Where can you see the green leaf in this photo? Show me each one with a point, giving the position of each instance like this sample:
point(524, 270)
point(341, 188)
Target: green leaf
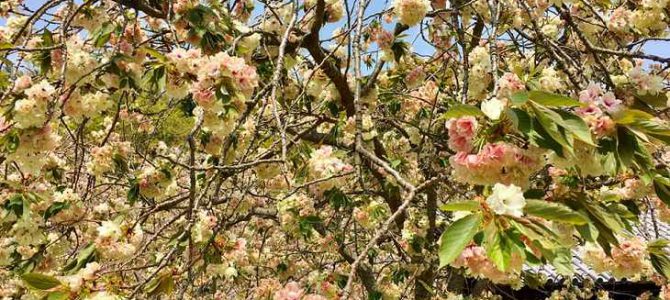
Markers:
point(521, 120)
point(15, 204)
point(163, 284)
point(534, 194)
point(457, 236)
point(43, 60)
point(588, 232)
point(609, 164)
point(102, 35)
point(536, 231)
point(658, 246)
point(562, 261)
point(604, 215)
point(307, 223)
point(625, 146)
point(631, 151)
point(154, 78)
point(54, 209)
point(575, 125)
point(337, 198)
point(543, 98)
point(5, 45)
point(375, 295)
point(659, 100)
point(47, 38)
point(662, 191)
point(654, 128)
point(622, 211)
point(155, 54)
point(498, 249)
point(549, 125)
point(469, 205)
point(10, 142)
point(570, 123)
point(85, 256)
point(662, 177)
point(134, 192)
point(426, 286)
point(630, 116)
point(644, 162)
point(661, 263)
point(539, 137)
point(399, 49)
point(4, 81)
point(40, 281)
point(606, 223)
point(553, 211)
point(58, 295)
point(533, 280)
point(187, 105)
point(519, 98)
point(461, 110)
point(552, 100)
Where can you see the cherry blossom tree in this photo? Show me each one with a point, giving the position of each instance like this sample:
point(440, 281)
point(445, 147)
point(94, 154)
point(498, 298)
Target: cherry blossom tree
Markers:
point(327, 149)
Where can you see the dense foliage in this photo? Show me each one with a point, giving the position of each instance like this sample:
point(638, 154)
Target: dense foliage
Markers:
point(327, 149)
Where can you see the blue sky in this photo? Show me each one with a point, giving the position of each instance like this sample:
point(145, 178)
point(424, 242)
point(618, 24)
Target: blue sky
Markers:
point(659, 48)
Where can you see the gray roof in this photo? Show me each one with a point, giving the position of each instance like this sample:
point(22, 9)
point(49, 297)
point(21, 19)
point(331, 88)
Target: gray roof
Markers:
point(649, 229)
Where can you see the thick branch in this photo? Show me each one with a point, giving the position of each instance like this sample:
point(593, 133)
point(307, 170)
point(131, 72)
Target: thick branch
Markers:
point(313, 45)
point(147, 8)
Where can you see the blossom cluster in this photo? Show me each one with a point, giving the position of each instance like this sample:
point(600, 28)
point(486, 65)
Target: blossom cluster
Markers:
point(628, 260)
point(597, 103)
point(411, 12)
point(35, 147)
point(32, 112)
point(585, 159)
point(323, 164)
point(189, 148)
point(478, 264)
point(507, 199)
point(509, 84)
point(497, 163)
point(223, 83)
point(106, 158)
point(645, 82)
point(461, 133)
point(152, 182)
point(480, 71)
point(291, 209)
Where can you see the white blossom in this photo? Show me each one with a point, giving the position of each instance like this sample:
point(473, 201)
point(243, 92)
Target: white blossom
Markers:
point(493, 108)
point(507, 200)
